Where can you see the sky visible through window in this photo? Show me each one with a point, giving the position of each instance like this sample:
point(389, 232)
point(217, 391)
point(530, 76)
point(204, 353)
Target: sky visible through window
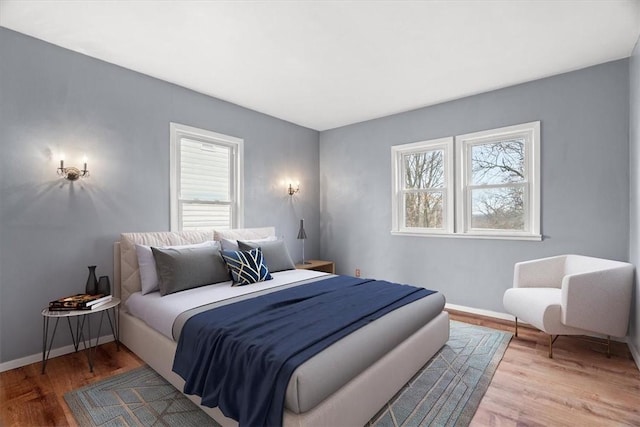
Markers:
point(497, 184)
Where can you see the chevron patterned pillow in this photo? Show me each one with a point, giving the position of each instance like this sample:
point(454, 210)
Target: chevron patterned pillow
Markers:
point(246, 267)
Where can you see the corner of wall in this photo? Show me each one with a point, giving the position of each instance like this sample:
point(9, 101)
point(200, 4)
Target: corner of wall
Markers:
point(634, 352)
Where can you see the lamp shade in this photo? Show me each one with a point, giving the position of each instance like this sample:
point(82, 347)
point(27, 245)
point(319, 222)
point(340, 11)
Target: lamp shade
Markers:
point(301, 233)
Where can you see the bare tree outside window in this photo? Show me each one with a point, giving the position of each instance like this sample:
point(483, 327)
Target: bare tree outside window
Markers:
point(424, 189)
point(498, 185)
point(481, 184)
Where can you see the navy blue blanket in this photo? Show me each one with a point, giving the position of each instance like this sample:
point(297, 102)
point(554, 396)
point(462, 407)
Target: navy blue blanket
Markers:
point(240, 357)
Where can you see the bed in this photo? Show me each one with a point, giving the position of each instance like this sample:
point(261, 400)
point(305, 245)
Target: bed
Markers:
point(374, 362)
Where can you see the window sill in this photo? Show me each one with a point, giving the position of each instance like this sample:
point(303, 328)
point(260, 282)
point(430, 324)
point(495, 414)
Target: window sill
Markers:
point(535, 238)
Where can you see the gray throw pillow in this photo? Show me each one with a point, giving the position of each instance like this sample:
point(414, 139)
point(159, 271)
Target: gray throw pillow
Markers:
point(276, 255)
point(180, 269)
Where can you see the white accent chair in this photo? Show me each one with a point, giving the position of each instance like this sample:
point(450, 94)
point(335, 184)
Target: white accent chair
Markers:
point(572, 295)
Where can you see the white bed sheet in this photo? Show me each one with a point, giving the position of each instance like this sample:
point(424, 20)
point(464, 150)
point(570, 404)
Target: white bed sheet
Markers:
point(160, 312)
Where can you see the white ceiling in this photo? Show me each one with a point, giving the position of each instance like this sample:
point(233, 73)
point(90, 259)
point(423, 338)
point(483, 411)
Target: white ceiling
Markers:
point(324, 64)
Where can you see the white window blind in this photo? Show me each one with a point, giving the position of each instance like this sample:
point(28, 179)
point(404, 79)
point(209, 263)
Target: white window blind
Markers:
point(206, 179)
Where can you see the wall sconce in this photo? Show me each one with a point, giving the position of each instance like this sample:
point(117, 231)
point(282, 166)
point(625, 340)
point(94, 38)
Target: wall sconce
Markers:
point(292, 190)
point(72, 173)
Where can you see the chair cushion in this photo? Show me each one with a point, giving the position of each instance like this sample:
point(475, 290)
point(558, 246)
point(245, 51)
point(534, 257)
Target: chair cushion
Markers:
point(540, 307)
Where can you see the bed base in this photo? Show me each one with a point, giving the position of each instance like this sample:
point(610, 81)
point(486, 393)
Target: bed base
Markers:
point(352, 405)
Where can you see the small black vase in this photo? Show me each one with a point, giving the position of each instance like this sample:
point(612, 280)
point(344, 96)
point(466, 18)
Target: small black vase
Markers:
point(92, 282)
point(104, 287)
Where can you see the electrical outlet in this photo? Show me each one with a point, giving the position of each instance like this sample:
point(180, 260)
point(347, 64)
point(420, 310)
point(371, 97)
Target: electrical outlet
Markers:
point(357, 272)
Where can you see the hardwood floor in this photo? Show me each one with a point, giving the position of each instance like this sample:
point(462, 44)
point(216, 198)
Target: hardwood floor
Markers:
point(28, 398)
point(578, 387)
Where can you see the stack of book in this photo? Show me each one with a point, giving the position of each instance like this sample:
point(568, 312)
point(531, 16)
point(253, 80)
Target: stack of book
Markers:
point(79, 302)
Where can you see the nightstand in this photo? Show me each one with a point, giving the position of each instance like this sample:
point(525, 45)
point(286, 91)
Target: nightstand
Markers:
point(318, 265)
point(82, 317)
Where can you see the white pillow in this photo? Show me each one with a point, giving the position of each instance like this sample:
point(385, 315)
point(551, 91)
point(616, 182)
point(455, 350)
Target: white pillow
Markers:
point(147, 264)
point(232, 245)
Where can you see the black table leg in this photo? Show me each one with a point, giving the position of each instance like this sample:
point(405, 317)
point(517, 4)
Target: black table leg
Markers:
point(115, 332)
point(45, 333)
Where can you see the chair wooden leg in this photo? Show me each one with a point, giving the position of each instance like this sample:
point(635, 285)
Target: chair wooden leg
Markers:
point(608, 347)
point(516, 327)
point(550, 346)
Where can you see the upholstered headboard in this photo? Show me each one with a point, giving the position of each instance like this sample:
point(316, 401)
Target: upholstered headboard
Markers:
point(125, 260)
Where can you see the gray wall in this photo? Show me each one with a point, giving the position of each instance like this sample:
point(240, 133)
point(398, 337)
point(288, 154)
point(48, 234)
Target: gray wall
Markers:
point(53, 99)
point(634, 202)
point(585, 185)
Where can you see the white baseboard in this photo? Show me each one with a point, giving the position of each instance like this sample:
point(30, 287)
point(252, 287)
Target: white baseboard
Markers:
point(480, 311)
point(55, 352)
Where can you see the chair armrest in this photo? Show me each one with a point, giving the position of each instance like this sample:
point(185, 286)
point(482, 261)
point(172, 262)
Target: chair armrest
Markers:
point(539, 273)
point(598, 301)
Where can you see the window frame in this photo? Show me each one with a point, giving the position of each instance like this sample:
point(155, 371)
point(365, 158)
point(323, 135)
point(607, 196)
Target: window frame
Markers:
point(458, 192)
point(177, 132)
point(531, 183)
point(398, 191)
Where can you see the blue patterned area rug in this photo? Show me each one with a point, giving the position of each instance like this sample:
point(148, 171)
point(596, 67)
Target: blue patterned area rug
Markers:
point(448, 389)
point(446, 392)
point(140, 397)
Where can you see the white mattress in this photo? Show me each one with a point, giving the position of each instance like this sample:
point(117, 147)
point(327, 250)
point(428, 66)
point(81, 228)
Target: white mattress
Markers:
point(160, 312)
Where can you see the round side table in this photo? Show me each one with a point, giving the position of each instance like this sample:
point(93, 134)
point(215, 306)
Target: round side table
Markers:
point(80, 321)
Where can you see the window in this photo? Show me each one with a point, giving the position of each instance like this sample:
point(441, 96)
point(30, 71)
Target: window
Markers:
point(206, 179)
point(496, 192)
point(499, 181)
point(423, 179)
